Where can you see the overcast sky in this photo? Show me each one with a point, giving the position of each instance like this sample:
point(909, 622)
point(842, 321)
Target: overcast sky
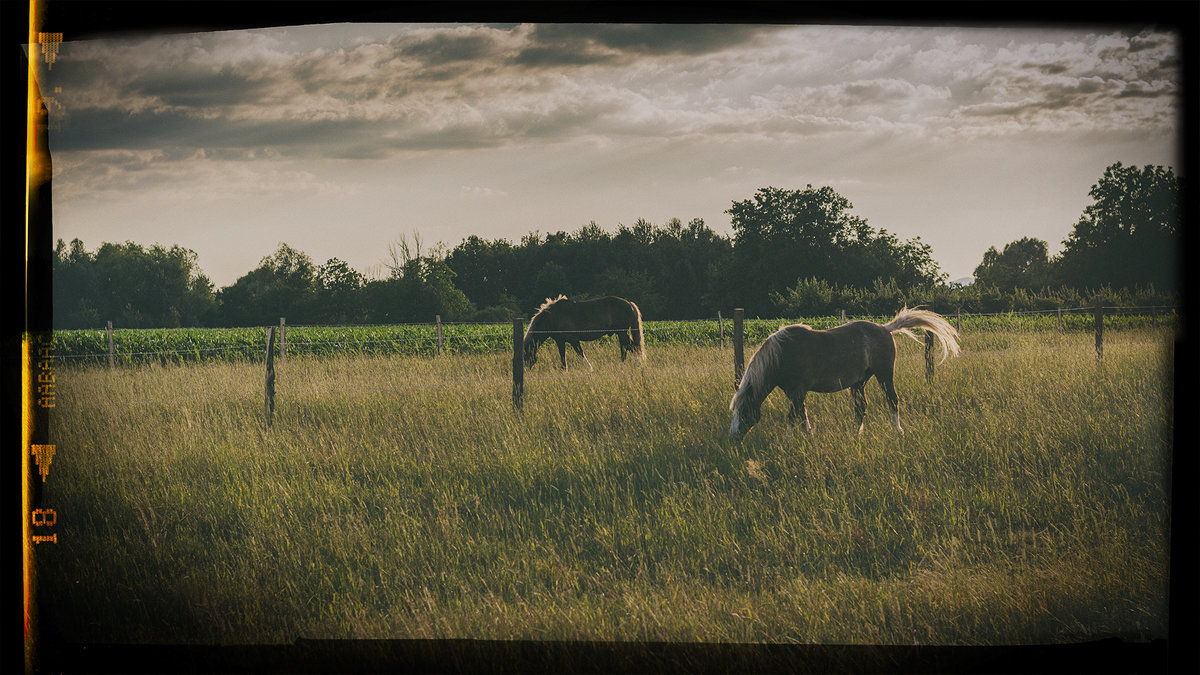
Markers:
point(338, 139)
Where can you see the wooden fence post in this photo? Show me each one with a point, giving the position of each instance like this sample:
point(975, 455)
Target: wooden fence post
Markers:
point(269, 394)
point(437, 319)
point(518, 363)
point(929, 356)
point(929, 352)
point(739, 336)
point(1099, 330)
point(958, 320)
point(110, 345)
point(1060, 320)
point(721, 328)
point(843, 316)
point(282, 339)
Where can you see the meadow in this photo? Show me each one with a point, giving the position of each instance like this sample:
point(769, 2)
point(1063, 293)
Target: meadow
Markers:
point(402, 496)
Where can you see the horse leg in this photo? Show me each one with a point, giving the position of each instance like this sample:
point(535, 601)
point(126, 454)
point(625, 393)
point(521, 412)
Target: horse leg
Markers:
point(858, 391)
point(624, 341)
point(889, 392)
point(798, 411)
point(562, 353)
point(579, 350)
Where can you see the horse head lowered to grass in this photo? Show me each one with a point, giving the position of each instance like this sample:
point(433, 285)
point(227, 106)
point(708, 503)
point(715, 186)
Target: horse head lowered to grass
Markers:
point(569, 322)
point(798, 359)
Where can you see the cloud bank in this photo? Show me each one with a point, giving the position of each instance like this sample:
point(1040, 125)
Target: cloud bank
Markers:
point(421, 88)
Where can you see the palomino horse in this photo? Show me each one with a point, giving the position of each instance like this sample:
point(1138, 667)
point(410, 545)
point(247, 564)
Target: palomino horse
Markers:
point(568, 322)
point(798, 359)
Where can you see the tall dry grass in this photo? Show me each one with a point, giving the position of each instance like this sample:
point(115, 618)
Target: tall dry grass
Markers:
point(403, 497)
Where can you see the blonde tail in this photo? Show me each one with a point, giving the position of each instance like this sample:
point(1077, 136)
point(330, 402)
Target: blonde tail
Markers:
point(638, 337)
point(930, 321)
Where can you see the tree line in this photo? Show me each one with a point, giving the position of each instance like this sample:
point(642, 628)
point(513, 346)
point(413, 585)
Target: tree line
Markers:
point(792, 252)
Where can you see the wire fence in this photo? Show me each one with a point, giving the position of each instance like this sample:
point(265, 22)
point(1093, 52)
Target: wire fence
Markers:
point(133, 346)
point(710, 332)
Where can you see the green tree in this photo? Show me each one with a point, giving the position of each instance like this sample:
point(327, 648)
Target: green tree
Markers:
point(809, 297)
point(418, 288)
point(682, 261)
point(74, 275)
point(551, 280)
point(1129, 234)
point(784, 235)
point(486, 272)
point(132, 286)
point(671, 271)
point(1024, 263)
point(339, 293)
point(283, 285)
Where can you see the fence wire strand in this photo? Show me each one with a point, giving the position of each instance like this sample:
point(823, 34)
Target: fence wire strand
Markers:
point(712, 324)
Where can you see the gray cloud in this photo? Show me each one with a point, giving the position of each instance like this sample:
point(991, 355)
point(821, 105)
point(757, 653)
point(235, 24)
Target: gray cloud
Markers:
point(199, 88)
point(574, 45)
point(646, 39)
point(460, 87)
point(445, 48)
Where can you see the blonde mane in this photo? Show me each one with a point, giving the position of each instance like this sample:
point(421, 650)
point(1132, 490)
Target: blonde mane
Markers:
point(764, 361)
point(545, 305)
point(548, 302)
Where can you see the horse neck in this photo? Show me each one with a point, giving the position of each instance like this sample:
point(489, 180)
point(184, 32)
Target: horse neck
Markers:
point(753, 389)
point(761, 374)
point(542, 321)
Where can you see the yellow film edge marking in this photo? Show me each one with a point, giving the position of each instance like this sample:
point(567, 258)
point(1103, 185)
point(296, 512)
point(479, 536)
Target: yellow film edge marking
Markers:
point(31, 170)
point(26, 545)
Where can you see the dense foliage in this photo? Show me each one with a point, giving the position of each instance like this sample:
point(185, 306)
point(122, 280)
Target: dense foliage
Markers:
point(131, 286)
point(792, 252)
point(1130, 233)
point(782, 235)
point(817, 297)
point(669, 270)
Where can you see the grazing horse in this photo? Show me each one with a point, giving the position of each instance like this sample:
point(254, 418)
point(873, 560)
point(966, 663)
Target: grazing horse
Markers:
point(569, 322)
point(798, 359)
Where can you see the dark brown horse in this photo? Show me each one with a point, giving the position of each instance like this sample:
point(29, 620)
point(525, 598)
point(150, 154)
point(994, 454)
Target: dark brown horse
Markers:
point(568, 322)
point(798, 359)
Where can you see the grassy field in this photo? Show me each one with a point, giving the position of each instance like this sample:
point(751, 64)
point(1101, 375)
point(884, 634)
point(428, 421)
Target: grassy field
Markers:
point(402, 497)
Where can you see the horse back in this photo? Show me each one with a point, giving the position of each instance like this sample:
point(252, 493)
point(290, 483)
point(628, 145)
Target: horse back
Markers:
point(592, 317)
point(832, 360)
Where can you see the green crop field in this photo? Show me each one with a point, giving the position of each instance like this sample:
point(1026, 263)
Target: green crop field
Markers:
point(195, 345)
point(402, 496)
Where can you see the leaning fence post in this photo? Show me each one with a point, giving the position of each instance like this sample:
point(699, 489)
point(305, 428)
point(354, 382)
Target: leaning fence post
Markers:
point(721, 328)
point(269, 393)
point(1099, 330)
point(929, 351)
point(437, 319)
point(739, 336)
point(282, 339)
point(518, 363)
point(928, 355)
point(110, 345)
